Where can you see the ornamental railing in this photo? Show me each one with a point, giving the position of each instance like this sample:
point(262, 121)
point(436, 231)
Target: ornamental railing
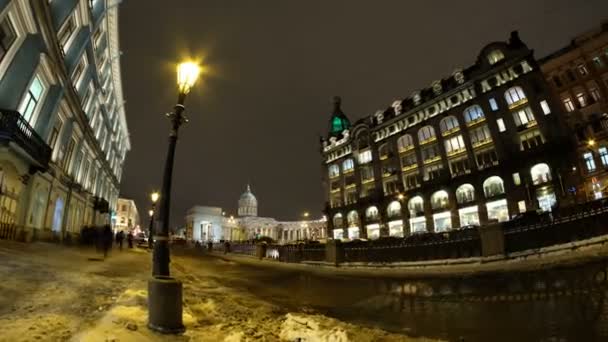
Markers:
point(14, 128)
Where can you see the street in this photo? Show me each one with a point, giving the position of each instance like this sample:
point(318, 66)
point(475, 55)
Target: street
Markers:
point(57, 293)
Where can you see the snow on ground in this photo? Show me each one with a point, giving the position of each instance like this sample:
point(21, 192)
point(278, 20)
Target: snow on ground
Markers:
point(55, 293)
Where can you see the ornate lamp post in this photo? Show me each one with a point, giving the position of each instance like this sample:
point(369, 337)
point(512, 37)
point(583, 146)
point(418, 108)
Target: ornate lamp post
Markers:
point(164, 292)
point(154, 197)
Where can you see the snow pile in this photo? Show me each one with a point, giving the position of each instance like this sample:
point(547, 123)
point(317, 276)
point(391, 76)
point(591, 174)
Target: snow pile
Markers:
point(298, 327)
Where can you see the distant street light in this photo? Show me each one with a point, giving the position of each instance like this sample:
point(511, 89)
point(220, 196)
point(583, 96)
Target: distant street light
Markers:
point(154, 197)
point(164, 292)
point(591, 142)
point(306, 214)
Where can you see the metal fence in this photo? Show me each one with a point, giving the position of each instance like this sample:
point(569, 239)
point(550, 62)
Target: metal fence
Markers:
point(430, 246)
point(10, 231)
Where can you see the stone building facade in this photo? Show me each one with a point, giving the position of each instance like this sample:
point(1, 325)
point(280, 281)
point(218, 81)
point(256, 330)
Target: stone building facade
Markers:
point(63, 129)
point(484, 144)
point(127, 216)
point(578, 75)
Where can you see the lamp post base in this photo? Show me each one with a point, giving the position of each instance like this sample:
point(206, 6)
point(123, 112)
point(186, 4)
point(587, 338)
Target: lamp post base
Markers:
point(165, 305)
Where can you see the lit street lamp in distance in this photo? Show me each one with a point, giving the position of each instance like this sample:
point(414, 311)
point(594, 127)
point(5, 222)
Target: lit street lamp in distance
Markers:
point(154, 196)
point(165, 292)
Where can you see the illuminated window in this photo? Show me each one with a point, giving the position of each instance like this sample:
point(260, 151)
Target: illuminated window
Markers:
point(352, 218)
point(334, 170)
point(367, 173)
point(540, 173)
point(493, 104)
point(408, 160)
point(523, 116)
point(545, 106)
point(447, 124)
point(405, 142)
point(594, 91)
point(603, 155)
point(365, 156)
point(432, 171)
point(460, 166)
point(384, 151)
point(426, 133)
point(589, 162)
point(521, 205)
point(430, 153)
point(568, 104)
point(480, 135)
point(493, 186)
point(501, 125)
point(454, 144)
point(416, 206)
point(530, 140)
point(337, 220)
point(411, 181)
point(473, 113)
point(465, 194)
point(348, 165)
point(371, 213)
point(582, 69)
point(439, 200)
point(516, 179)
point(30, 104)
point(495, 56)
point(514, 95)
point(582, 98)
point(7, 34)
point(394, 209)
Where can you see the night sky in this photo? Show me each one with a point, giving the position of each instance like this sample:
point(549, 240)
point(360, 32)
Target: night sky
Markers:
point(273, 68)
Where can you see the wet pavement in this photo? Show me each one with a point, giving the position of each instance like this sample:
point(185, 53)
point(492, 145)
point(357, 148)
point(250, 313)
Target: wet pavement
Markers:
point(563, 304)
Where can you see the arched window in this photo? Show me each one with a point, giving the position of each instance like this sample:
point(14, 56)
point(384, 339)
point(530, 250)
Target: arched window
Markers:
point(465, 193)
point(473, 113)
point(416, 205)
point(514, 95)
point(405, 142)
point(495, 56)
point(439, 200)
point(383, 151)
point(348, 165)
point(493, 186)
point(540, 173)
point(334, 170)
point(448, 124)
point(352, 218)
point(394, 209)
point(426, 133)
point(338, 220)
point(371, 212)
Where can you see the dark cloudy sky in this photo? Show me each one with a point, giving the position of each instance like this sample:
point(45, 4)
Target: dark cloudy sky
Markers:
point(274, 66)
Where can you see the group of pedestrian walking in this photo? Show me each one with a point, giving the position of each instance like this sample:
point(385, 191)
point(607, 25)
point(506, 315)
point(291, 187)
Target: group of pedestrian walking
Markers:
point(105, 237)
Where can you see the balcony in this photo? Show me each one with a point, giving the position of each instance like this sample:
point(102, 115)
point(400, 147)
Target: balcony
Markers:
point(17, 133)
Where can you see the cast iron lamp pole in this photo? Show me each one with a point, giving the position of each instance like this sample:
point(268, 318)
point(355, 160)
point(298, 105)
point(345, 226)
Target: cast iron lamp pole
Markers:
point(154, 197)
point(164, 292)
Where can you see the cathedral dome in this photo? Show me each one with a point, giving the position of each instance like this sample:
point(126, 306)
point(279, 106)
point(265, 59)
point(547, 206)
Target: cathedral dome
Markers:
point(248, 204)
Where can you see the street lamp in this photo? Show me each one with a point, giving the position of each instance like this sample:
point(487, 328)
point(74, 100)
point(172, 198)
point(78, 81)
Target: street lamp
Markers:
point(154, 197)
point(164, 292)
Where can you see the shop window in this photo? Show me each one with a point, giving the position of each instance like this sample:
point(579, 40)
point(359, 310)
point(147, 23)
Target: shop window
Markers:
point(469, 216)
point(338, 234)
point(498, 210)
point(540, 173)
point(493, 186)
point(442, 221)
point(465, 194)
point(371, 213)
point(439, 200)
point(352, 219)
point(394, 209)
point(396, 228)
point(418, 224)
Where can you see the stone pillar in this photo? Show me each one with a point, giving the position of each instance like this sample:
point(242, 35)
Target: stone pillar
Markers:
point(260, 250)
point(334, 252)
point(492, 240)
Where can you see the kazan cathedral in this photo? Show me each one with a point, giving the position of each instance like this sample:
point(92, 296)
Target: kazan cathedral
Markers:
point(205, 223)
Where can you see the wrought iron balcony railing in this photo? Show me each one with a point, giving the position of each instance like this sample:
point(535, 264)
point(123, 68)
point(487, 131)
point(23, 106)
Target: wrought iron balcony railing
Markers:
point(14, 128)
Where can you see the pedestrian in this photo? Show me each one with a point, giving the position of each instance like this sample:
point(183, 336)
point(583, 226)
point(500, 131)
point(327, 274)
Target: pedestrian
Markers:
point(130, 239)
point(120, 237)
point(106, 238)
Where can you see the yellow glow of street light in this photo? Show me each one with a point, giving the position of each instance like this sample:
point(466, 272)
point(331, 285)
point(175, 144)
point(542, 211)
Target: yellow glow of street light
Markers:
point(187, 74)
point(151, 212)
point(400, 197)
point(591, 142)
point(306, 214)
point(154, 196)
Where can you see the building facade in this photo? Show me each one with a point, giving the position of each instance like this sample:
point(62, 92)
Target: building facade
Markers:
point(578, 75)
point(63, 129)
point(127, 216)
point(211, 224)
point(484, 144)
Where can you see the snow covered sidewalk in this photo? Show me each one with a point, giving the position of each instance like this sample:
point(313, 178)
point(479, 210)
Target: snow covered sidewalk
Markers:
point(56, 293)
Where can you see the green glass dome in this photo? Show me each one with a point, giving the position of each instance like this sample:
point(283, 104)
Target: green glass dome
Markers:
point(339, 122)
